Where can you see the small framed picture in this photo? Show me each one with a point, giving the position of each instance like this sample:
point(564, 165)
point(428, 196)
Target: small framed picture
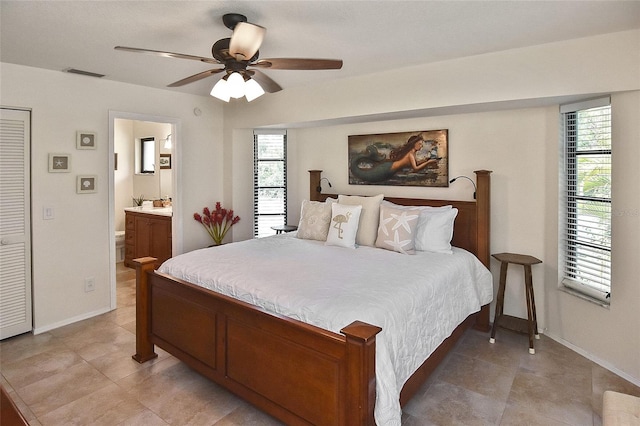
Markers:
point(86, 140)
point(165, 161)
point(86, 184)
point(59, 163)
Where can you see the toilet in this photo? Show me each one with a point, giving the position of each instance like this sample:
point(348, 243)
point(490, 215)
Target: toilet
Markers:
point(119, 246)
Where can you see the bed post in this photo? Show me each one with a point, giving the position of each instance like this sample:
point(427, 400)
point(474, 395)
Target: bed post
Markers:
point(314, 183)
point(361, 372)
point(144, 347)
point(483, 206)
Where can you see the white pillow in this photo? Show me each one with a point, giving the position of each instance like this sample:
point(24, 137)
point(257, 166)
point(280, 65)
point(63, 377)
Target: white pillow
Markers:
point(421, 208)
point(344, 225)
point(435, 230)
point(397, 228)
point(314, 220)
point(369, 218)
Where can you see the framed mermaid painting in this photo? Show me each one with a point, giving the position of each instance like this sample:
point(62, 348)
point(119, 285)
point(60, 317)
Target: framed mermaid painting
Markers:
point(419, 158)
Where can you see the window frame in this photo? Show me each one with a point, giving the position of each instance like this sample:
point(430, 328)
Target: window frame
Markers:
point(575, 246)
point(257, 215)
point(144, 144)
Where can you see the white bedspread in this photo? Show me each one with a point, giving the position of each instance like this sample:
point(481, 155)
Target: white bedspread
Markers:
point(417, 300)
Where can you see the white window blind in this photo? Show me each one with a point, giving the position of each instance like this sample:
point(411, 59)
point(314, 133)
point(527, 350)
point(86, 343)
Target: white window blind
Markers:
point(269, 182)
point(586, 199)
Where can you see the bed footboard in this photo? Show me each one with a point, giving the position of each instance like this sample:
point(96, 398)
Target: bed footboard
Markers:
point(296, 372)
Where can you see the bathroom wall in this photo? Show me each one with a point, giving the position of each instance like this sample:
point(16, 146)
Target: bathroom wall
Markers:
point(128, 184)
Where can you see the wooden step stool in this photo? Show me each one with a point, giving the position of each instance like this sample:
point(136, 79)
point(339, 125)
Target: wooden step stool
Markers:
point(530, 325)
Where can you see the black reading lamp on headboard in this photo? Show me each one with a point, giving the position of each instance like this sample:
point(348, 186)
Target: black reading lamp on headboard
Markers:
point(319, 187)
point(470, 180)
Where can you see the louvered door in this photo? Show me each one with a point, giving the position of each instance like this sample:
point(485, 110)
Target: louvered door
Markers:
point(15, 225)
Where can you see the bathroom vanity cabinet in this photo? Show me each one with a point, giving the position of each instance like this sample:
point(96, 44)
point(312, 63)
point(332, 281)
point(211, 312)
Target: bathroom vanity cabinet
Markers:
point(147, 233)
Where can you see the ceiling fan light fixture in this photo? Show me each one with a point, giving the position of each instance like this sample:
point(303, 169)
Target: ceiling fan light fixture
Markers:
point(235, 82)
point(252, 90)
point(239, 54)
point(246, 40)
point(221, 90)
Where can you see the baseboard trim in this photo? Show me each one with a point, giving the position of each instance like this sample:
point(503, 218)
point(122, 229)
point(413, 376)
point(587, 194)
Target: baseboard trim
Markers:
point(594, 358)
point(49, 327)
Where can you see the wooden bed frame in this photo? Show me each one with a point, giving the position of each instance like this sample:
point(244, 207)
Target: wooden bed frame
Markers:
point(296, 372)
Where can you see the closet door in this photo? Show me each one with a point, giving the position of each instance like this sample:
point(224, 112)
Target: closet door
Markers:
point(15, 223)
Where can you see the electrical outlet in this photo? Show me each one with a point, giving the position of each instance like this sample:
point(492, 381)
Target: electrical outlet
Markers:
point(89, 284)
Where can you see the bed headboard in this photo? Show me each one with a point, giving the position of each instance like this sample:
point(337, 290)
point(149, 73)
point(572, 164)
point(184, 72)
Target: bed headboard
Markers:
point(472, 225)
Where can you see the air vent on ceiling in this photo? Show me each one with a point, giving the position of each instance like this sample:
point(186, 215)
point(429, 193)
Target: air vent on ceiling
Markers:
point(81, 72)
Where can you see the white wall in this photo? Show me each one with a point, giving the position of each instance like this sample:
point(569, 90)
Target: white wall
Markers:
point(469, 96)
point(533, 73)
point(76, 244)
point(611, 336)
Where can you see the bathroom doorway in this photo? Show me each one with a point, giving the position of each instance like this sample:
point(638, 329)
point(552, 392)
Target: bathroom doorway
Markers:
point(131, 179)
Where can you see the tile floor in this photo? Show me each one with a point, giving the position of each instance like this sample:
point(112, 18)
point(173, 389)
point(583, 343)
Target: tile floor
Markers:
point(83, 374)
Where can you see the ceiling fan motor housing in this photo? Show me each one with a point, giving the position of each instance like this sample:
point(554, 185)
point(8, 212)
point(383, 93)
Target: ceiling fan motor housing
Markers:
point(230, 20)
point(220, 51)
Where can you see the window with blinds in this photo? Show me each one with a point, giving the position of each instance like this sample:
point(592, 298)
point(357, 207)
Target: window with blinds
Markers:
point(147, 155)
point(586, 198)
point(269, 182)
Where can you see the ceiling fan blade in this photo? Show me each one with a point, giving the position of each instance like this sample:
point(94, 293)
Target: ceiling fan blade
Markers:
point(299, 64)
point(246, 40)
point(195, 77)
point(167, 54)
point(265, 81)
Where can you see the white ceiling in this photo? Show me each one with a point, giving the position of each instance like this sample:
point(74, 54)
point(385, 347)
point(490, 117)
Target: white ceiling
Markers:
point(370, 36)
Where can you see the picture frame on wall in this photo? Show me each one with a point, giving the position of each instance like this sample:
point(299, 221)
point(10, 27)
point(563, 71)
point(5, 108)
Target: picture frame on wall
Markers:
point(165, 161)
point(87, 184)
point(86, 140)
point(59, 163)
point(418, 158)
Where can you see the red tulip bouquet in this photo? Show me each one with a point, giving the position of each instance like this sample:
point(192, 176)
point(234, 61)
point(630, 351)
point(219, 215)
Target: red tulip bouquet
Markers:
point(217, 222)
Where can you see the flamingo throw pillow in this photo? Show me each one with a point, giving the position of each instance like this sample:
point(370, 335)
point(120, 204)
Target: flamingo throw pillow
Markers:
point(344, 225)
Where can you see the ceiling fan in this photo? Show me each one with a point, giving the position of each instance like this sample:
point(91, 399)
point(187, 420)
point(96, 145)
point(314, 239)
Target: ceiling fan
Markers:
point(239, 56)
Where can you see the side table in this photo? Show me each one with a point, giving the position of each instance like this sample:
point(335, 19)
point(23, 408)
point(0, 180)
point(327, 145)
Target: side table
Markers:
point(530, 325)
point(284, 228)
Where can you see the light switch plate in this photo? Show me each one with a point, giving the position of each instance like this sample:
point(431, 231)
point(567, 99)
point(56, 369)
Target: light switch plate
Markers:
point(48, 213)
